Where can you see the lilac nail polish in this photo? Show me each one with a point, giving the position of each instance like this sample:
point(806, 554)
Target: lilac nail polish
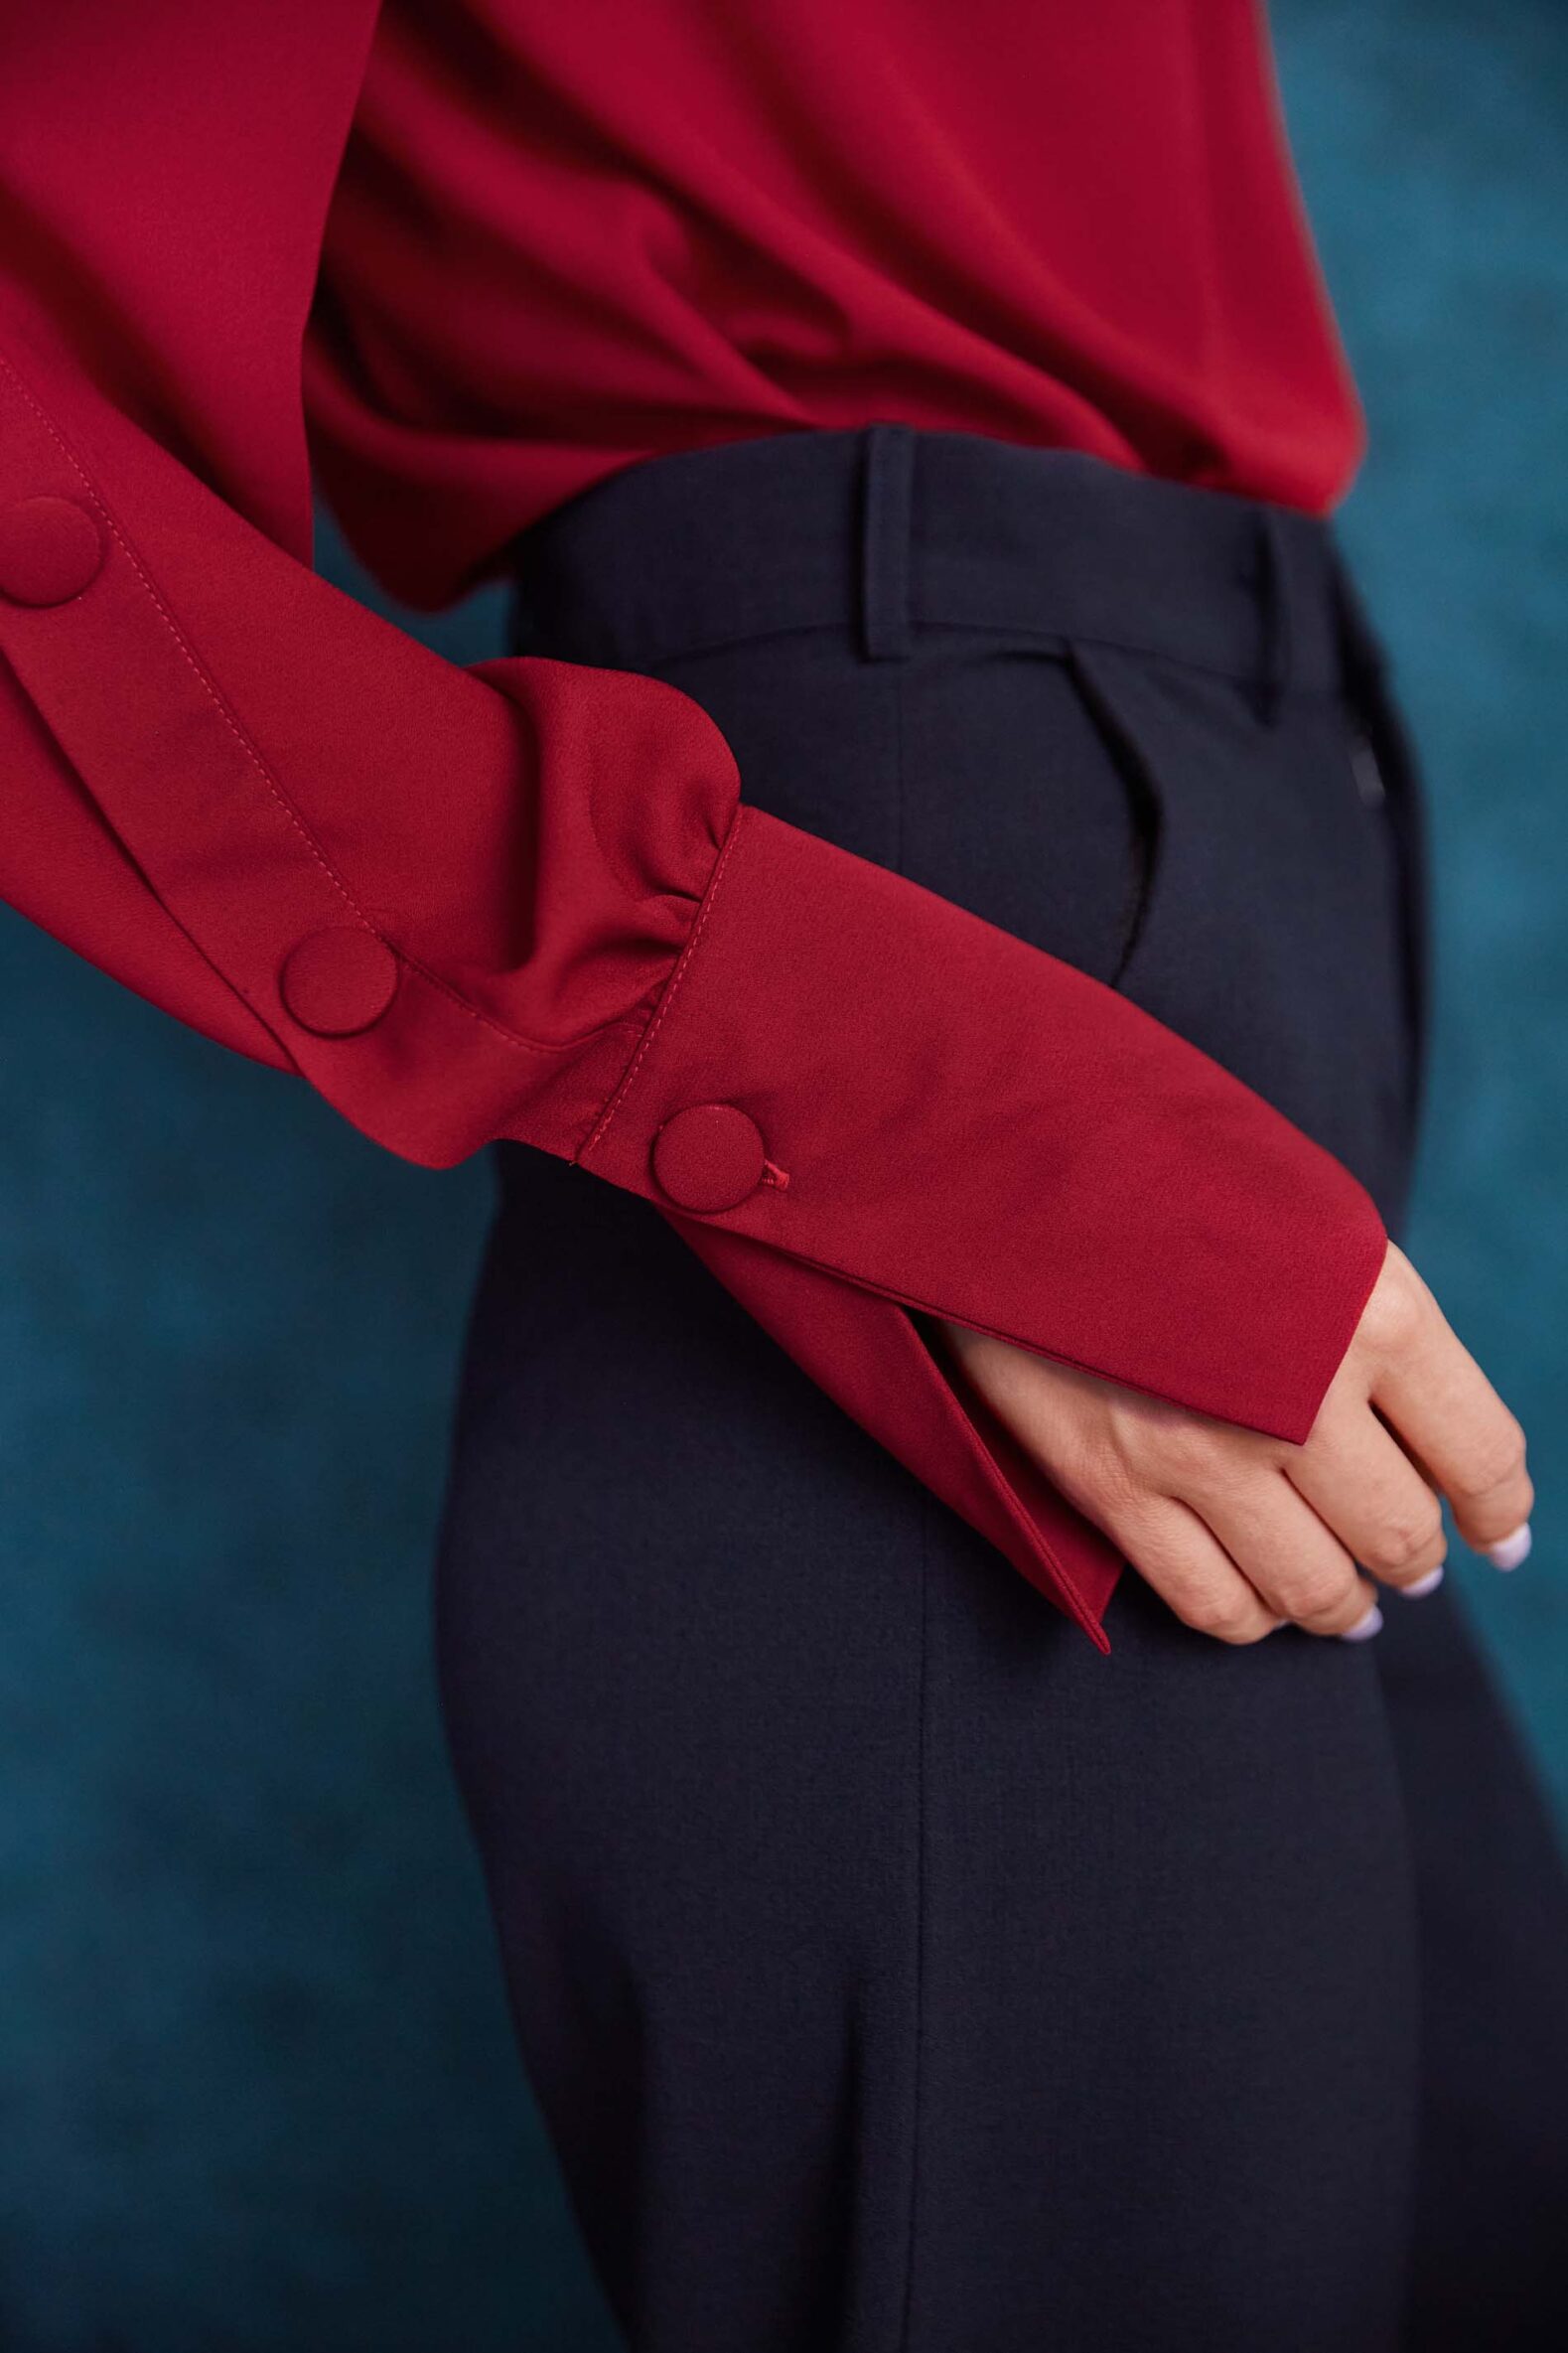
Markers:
point(1511, 1550)
point(1427, 1584)
point(1364, 1628)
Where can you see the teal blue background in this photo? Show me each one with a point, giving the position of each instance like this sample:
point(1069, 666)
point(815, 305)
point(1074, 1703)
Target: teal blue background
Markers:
point(256, 2090)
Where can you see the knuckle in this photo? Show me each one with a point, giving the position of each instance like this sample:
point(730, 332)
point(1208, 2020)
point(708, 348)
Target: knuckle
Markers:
point(1395, 1318)
point(1103, 1471)
point(1347, 1610)
point(1403, 1542)
point(1313, 1595)
point(1497, 1464)
point(1195, 1604)
point(1191, 1453)
point(1225, 1620)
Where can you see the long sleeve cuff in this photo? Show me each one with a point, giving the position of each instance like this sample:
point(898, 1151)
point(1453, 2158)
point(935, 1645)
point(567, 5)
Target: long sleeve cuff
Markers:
point(526, 902)
point(861, 1103)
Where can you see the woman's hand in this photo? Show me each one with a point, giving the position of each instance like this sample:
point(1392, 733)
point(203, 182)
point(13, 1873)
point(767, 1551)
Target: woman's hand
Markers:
point(1241, 1532)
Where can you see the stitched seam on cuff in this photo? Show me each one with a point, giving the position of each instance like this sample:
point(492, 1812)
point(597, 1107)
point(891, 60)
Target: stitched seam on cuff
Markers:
point(676, 978)
point(253, 753)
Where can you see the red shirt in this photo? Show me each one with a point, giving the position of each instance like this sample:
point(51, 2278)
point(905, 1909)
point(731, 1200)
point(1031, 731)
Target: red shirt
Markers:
point(568, 236)
point(528, 899)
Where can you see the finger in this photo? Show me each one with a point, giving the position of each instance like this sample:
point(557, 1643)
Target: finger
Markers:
point(1172, 1550)
point(1364, 1485)
point(1443, 1406)
point(1295, 1562)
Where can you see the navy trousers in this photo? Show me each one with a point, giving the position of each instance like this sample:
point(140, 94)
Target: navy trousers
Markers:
point(895, 1973)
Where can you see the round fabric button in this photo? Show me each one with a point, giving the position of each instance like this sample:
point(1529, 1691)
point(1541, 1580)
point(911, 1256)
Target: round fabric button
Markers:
point(338, 981)
point(49, 551)
point(708, 1159)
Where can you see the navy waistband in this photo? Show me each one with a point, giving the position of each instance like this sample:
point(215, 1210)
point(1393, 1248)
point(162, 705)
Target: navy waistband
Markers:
point(888, 529)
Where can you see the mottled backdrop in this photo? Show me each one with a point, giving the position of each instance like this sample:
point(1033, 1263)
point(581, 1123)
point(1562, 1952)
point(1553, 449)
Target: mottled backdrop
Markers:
point(256, 2091)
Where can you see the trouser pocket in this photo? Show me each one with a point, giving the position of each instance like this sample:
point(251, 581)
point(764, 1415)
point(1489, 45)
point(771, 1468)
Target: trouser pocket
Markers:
point(1278, 919)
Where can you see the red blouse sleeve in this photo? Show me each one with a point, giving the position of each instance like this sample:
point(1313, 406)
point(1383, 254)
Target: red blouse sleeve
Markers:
point(526, 901)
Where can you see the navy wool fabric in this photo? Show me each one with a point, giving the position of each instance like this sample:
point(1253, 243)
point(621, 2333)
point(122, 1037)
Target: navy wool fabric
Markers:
point(892, 1971)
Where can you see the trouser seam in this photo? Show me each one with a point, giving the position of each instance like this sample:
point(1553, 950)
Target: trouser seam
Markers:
point(922, 1673)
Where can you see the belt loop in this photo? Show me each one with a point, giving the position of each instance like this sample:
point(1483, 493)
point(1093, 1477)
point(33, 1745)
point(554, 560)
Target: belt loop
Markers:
point(1274, 595)
point(886, 499)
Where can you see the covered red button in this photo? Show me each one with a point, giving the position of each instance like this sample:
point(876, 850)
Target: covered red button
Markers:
point(709, 1158)
point(338, 981)
point(49, 551)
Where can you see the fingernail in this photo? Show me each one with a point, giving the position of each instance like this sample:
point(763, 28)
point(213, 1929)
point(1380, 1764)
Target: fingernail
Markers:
point(1364, 1628)
point(1427, 1584)
point(1511, 1550)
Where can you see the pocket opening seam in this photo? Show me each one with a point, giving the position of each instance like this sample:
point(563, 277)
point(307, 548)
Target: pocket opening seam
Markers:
point(1138, 779)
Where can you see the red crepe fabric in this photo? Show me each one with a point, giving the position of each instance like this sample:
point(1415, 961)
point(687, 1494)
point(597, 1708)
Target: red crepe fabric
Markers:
point(527, 900)
point(565, 237)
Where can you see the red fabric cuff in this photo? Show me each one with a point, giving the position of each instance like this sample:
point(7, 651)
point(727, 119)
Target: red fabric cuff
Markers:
point(949, 1121)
